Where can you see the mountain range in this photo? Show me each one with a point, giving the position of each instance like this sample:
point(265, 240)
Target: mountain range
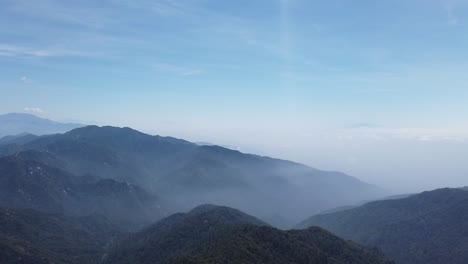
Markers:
point(104, 195)
point(426, 228)
point(184, 174)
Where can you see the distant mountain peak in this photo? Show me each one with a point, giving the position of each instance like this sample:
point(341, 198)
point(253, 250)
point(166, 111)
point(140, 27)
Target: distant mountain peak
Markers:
point(92, 128)
point(107, 132)
point(14, 114)
point(18, 123)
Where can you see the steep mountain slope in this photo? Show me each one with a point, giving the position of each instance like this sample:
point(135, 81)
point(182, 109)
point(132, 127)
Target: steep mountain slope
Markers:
point(31, 237)
point(213, 234)
point(187, 174)
point(119, 153)
point(18, 123)
point(28, 181)
point(430, 228)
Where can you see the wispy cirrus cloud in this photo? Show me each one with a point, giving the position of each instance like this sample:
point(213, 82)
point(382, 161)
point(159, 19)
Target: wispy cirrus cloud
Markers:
point(87, 28)
point(82, 14)
point(169, 7)
point(10, 50)
point(62, 29)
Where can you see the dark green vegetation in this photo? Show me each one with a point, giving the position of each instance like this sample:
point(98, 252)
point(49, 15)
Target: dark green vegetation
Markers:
point(427, 228)
point(214, 234)
point(27, 181)
point(31, 237)
point(184, 174)
point(17, 123)
point(207, 234)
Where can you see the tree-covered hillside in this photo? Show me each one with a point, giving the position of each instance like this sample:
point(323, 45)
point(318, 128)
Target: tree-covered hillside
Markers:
point(427, 228)
point(213, 234)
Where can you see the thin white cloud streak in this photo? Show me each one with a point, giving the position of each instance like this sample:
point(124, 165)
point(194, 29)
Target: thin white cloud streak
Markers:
point(13, 51)
point(34, 110)
point(176, 69)
point(9, 50)
point(169, 7)
point(164, 8)
point(63, 12)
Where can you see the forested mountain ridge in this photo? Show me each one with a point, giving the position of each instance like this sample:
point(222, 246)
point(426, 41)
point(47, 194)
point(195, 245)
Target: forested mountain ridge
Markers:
point(186, 174)
point(430, 227)
point(31, 237)
point(28, 181)
point(214, 234)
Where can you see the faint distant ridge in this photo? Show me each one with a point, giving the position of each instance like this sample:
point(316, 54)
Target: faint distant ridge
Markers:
point(20, 123)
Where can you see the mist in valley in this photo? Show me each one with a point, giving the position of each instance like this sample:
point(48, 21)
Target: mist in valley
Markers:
point(208, 131)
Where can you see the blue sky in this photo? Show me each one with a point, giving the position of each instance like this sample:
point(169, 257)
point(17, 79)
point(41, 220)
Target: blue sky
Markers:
point(246, 73)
